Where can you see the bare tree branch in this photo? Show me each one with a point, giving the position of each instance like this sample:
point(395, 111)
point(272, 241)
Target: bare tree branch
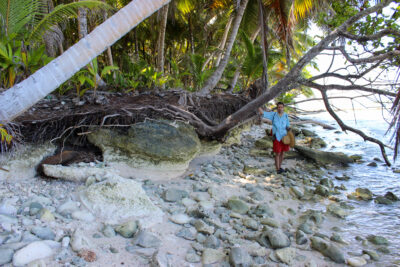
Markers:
point(371, 37)
point(345, 127)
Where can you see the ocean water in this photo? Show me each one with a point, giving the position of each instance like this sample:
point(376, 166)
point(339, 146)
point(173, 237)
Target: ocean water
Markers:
point(367, 217)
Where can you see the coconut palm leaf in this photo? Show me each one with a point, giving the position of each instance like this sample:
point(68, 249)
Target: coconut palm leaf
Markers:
point(61, 13)
point(16, 14)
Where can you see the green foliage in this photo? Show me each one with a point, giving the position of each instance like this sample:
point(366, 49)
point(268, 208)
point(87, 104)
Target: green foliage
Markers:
point(27, 16)
point(4, 135)
point(198, 75)
point(18, 62)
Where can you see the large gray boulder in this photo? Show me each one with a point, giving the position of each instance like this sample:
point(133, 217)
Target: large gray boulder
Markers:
point(151, 145)
point(117, 199)
point(324, 157)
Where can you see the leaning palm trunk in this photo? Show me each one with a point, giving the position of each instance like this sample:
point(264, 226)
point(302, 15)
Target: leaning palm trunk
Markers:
point(216, 76)
point(19, 98)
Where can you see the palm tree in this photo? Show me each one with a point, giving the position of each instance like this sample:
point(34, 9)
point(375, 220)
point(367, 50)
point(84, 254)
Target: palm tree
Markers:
point(216, 76)
point(19, 98)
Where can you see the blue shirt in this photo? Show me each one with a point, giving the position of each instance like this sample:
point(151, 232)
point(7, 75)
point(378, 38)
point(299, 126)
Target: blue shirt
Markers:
point(279, 123)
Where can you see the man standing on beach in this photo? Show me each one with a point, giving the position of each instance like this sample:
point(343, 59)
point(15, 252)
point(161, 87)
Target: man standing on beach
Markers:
point(280, 126)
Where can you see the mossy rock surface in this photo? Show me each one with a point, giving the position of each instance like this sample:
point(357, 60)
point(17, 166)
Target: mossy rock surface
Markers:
point(154, 141)
point(324, 157)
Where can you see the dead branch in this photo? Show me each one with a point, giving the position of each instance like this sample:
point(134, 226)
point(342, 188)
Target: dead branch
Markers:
point(4, 169)
point(345, 127)
point(346, 88)
point(365, 38)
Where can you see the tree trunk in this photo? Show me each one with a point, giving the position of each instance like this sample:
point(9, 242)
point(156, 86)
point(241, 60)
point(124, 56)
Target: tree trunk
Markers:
point(22, 96)
point(264, 47)
point(216, 76)
point(109, 53)
point(223, 41)
point(82, 32)
point(161, 39)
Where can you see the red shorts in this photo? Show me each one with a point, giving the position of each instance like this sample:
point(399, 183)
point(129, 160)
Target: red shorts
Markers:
point(279, 146)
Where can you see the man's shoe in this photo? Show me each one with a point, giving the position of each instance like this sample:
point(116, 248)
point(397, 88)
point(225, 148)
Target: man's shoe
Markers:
point(282, 170)
point(279, 171)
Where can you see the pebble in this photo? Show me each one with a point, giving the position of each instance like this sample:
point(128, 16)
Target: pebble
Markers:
point(187, 233)
point(108, 231)
point(34, 208)
point(180, 218)
point(33, 251)
point(44, 233)
point(146, 240)
point(202, 227)
point(211, 256)
point(79, 241)
point(286, 255)
point(6, 255)
point(45, 215)
point(239, 257)
point(192, 257)
point(127, 229)
point(356, 261)
point(211, 242)
point(237, 205)
point(174, 194)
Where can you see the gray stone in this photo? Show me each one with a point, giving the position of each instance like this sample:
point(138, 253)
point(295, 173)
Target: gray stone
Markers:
point(313, 215)
point(263, 209)
point(321, 190)
point(337, 211)
point(146, 240)
point(147, 143)
point(45, 215)
point(34, 208)
point(43, 233)
point(6, 255)
point(211, 242)
point(8, 219)
point(192, 257)
point(361, 194)
point(383, 200)
point(377, 240)
point(108, 231)
point(270, 222)
point(286, 255)
point(308, 133)
point(372, 254)
point(297, 192)
point(250, 223)
point(372, 164)
point(391, 196)
point(338, 239)
point(204, 228)
point(211, 256)
point(68, 207)
point(237, 205)
point(27, 237)
point(127, 229)
point(277, 238)
point(356, 261)
point(239, 257)
point(117, 199)
point(180, 218)
point(324, 157)
point(306, 228)
point(187, 233)
point(34, 251)
point(327, 249)
point(79, 241)
point(301, 237)
point(174, 194)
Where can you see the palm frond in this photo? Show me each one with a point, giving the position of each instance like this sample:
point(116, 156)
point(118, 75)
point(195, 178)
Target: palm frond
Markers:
point(16, 14)
point(62, 13)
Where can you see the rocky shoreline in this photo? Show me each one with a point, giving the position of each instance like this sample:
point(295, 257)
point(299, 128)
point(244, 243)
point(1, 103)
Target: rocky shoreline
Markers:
point(228, 208)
